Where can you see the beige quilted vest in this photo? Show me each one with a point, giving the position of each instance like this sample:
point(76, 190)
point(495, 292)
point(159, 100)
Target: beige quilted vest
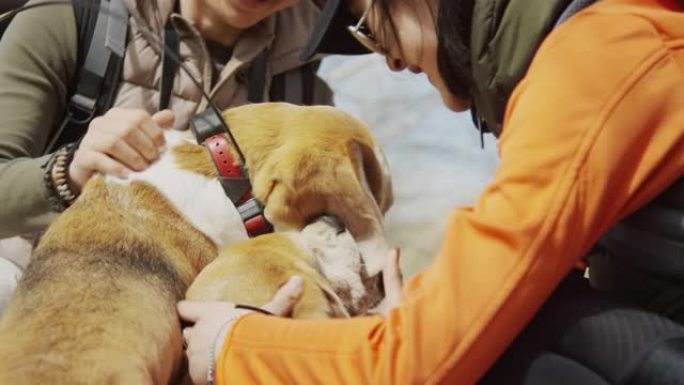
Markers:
point(283, 35)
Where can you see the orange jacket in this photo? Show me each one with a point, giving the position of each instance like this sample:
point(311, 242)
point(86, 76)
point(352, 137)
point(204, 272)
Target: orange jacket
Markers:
point(594, 130)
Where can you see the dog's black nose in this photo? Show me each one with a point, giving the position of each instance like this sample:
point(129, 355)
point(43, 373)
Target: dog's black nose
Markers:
point(335, 222)
point(380, 283)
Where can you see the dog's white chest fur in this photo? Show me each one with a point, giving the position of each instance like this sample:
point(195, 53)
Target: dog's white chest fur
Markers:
point(337, 258)
point(200, 199)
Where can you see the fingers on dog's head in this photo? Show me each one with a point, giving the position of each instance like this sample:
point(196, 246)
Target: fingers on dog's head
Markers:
point(391, 274)
point(286, 297)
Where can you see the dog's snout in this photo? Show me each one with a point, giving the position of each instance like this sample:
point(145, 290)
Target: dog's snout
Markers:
point(380, 284)
point(334, 222)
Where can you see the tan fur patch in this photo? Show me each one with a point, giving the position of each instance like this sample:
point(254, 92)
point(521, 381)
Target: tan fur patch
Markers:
point(194, 158)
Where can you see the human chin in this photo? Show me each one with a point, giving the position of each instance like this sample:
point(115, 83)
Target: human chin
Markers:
point(454, 103)
point(246, 13)
point(243, 23)
point(450, 100)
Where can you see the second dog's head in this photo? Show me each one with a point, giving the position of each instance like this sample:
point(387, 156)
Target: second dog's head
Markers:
point(338, 258)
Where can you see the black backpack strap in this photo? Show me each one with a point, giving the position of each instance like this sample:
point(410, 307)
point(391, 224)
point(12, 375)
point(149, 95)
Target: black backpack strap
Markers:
point(169, 65)
point(294, 88)
point(297, 86)
point(300, 84)
point(308, 74)
point(104, 56)
point(102, 33)
point(257, 78)
point(277, 91)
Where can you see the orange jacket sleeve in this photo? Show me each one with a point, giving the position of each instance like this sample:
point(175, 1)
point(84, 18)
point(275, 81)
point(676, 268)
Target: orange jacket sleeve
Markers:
point(594, 130)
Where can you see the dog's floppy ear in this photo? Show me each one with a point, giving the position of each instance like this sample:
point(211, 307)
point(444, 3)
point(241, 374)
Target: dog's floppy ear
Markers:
point(337, 309)
point(373, 179)
point(374, 170)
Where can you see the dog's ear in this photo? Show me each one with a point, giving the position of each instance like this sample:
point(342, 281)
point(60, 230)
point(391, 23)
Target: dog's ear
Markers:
point(375, 171)
point(337, 309)
point(373, 178)
point(385, 190)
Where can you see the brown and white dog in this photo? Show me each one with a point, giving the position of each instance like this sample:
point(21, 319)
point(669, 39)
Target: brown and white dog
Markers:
point(97, 302)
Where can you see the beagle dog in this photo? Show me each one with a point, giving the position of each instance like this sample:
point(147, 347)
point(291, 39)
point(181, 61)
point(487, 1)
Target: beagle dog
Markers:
point(97, 301)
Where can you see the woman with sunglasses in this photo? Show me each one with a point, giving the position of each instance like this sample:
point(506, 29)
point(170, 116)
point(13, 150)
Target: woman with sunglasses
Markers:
point(588, 103)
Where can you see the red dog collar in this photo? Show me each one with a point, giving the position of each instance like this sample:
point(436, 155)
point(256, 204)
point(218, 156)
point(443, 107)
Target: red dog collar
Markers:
point(211, 131)
point(237, 186)
point(223, 159)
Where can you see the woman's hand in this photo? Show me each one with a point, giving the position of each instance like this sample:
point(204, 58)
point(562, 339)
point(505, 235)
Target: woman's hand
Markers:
point(211, 322)
point(118, 142)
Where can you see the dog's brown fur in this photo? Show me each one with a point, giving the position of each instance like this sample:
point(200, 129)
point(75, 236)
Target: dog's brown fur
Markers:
point(97, 303)
point(98, 299)
point(289, 176)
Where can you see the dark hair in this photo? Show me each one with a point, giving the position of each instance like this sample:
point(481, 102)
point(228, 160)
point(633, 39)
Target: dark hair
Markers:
point(384, 12)
point(454, 20)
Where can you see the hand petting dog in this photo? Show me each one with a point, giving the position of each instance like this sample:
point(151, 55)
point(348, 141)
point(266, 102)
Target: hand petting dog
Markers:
point(212, 320)
point(120, 141)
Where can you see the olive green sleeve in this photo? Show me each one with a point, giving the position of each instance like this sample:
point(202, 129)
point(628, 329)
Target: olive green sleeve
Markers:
point(37, 61)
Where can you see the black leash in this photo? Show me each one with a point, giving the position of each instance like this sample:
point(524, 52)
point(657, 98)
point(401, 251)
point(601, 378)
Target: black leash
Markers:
point(253, 308)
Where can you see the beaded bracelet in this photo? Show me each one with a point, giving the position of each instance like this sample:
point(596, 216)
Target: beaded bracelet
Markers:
point(212, 352)
point(56, 178)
